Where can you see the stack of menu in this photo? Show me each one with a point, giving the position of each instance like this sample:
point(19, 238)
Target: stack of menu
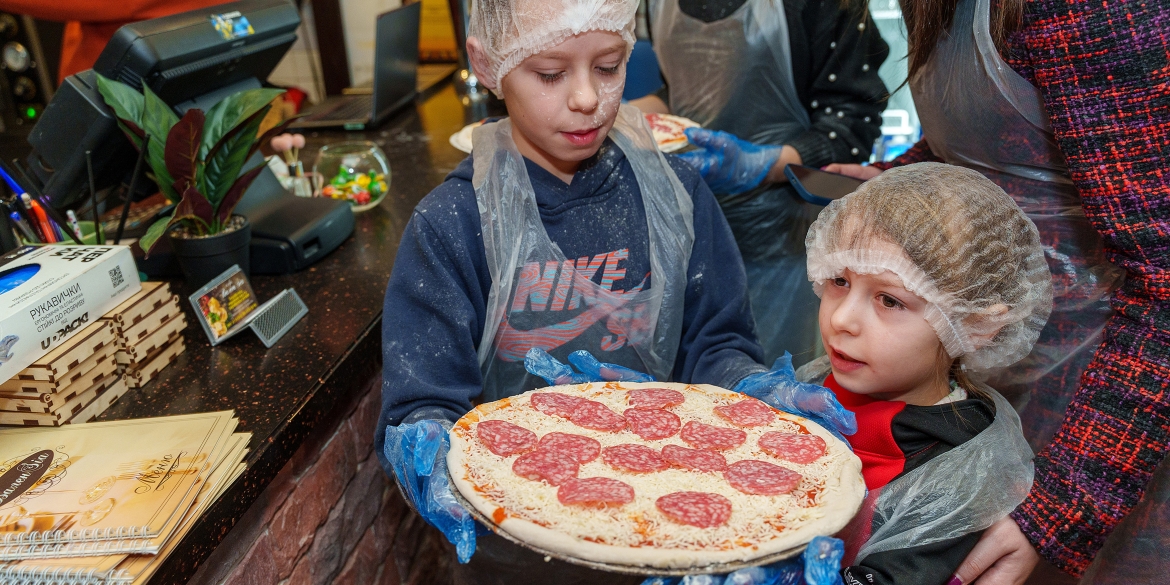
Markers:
point(107, 502)
point(149, 327)
point(73, 383)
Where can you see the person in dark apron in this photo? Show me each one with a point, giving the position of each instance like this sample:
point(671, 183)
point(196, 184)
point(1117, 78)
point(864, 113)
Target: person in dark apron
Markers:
point(979, 112)
point(796, 80)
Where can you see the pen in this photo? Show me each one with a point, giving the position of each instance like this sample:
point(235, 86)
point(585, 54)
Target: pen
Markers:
point(41, 219)
point(47, 209)
point(73, 222)
point(22, 228)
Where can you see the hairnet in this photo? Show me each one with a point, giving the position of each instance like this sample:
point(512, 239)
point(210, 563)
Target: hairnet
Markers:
point(956, 240)
point(513, 30)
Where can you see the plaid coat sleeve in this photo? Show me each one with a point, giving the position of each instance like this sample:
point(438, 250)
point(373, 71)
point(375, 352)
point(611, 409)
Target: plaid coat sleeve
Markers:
point(1103, 70)
point(920, 152)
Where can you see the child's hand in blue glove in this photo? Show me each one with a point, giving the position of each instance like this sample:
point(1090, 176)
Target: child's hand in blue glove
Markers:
point(418, 454)
point(819, 565)
point(729, 165)
point(779, 388)
point(539, 363)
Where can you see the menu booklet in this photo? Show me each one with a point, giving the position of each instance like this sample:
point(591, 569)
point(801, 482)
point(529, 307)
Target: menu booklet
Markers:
point(124, 569)
point(106, 488)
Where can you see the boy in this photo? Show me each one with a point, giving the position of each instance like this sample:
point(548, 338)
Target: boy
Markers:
point(559, 234)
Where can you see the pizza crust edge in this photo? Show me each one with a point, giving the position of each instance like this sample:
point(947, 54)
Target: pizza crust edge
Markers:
point(838, 511)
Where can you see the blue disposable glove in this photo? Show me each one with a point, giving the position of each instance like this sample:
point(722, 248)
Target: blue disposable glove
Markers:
point(819, 565)
point(729, 165)
point(779, 388)
point(539, 363)
point(418, 454)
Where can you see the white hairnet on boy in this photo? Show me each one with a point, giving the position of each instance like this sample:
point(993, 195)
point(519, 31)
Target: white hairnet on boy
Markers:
point(513, 30)
point(957, 241)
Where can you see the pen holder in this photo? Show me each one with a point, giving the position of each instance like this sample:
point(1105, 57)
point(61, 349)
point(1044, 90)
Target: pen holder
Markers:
point(88, 237)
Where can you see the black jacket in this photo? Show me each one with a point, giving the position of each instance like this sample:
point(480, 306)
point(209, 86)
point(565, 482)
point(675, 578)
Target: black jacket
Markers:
point(923, 433)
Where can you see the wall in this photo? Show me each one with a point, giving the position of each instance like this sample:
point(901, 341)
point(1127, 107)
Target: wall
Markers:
point(331, 516)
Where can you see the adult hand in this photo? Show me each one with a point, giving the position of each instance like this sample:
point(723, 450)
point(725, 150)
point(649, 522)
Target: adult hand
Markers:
point(729, 165)
point(539, 363)
point(850, 170)
point(418, 454)
point(780, 389)
point(1003, 556)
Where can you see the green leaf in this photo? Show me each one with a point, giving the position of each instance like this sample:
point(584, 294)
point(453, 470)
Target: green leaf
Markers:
point(231, 112)
point(223, 167)
point(125, 101)
point(157, 120)
point(153, 233)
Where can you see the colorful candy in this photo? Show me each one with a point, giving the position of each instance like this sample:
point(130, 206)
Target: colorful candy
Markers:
point(359, 188)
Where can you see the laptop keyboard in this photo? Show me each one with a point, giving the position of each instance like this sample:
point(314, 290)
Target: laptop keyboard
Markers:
point(356, 107)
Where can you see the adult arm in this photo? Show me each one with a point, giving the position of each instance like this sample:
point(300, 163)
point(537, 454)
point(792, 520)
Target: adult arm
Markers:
point(837, 80)
point(718, 343)
point(1105, 91)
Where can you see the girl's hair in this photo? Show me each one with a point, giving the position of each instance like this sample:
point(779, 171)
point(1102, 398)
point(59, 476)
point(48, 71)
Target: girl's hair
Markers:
point(927, 20)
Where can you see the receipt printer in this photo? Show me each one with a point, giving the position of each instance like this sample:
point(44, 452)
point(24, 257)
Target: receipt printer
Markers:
point(289, 232)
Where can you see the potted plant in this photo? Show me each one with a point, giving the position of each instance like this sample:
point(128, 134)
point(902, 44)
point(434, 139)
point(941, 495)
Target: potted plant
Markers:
point(198, 162)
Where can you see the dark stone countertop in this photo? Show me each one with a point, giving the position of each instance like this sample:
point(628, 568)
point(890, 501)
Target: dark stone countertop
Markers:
point(280, 394)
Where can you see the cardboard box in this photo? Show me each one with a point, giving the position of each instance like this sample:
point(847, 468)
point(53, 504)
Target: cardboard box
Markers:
point(68, 411)
point(152, 296)
point(62, 366)
point(138, 377)
point(50, 293)
point(96, 369)
point(137, 354)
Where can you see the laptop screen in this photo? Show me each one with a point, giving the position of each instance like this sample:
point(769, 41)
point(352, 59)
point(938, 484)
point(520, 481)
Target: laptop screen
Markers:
point(395, 58)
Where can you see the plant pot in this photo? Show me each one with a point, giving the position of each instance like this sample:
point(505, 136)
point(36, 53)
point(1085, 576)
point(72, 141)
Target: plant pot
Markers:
point(204, 258)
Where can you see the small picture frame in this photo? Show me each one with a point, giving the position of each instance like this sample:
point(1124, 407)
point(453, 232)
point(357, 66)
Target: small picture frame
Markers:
point(225, 305)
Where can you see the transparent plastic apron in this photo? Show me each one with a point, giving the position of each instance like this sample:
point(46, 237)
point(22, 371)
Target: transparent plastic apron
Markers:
point(977, 112)
point(647, 321)
point(735, 75)
point(959, 492)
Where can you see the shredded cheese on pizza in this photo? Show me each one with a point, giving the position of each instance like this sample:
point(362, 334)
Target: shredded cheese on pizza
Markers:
point(755, 520)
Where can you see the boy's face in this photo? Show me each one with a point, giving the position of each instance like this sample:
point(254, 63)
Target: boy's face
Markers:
point(878, 341)
point(563, 101)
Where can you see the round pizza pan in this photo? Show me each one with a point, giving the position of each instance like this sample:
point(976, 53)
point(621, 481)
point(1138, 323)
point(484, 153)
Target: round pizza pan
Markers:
point(716, 568)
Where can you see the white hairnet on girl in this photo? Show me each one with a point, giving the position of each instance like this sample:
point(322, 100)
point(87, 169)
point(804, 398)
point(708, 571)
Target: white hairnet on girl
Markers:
point(513, 30)
point(957, 241)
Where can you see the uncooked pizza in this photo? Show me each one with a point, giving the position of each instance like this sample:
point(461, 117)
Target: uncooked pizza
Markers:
point(669, 130)
point(655, 475)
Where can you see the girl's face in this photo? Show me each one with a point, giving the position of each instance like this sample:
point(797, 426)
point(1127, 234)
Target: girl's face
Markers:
point(878, 341)
point(563, 101)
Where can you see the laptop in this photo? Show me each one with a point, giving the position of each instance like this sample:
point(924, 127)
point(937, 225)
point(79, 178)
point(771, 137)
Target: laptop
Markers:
point(395, 77)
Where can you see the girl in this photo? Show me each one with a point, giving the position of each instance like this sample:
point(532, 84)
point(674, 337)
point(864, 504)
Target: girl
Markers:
point(930, 279)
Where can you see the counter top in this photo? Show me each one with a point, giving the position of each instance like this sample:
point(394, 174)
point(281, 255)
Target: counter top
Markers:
point(281, 393)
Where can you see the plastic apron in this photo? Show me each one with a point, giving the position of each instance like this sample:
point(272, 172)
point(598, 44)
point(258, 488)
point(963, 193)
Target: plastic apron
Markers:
point(959, 492)
point(977, 112)
point(735, 75)
point(640, 328)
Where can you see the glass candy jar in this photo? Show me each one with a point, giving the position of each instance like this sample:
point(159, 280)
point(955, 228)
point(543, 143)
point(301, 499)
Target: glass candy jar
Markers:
point(353, 171)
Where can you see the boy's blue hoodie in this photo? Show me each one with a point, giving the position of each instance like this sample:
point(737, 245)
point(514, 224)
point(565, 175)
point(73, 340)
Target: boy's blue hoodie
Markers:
point(433, 317)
